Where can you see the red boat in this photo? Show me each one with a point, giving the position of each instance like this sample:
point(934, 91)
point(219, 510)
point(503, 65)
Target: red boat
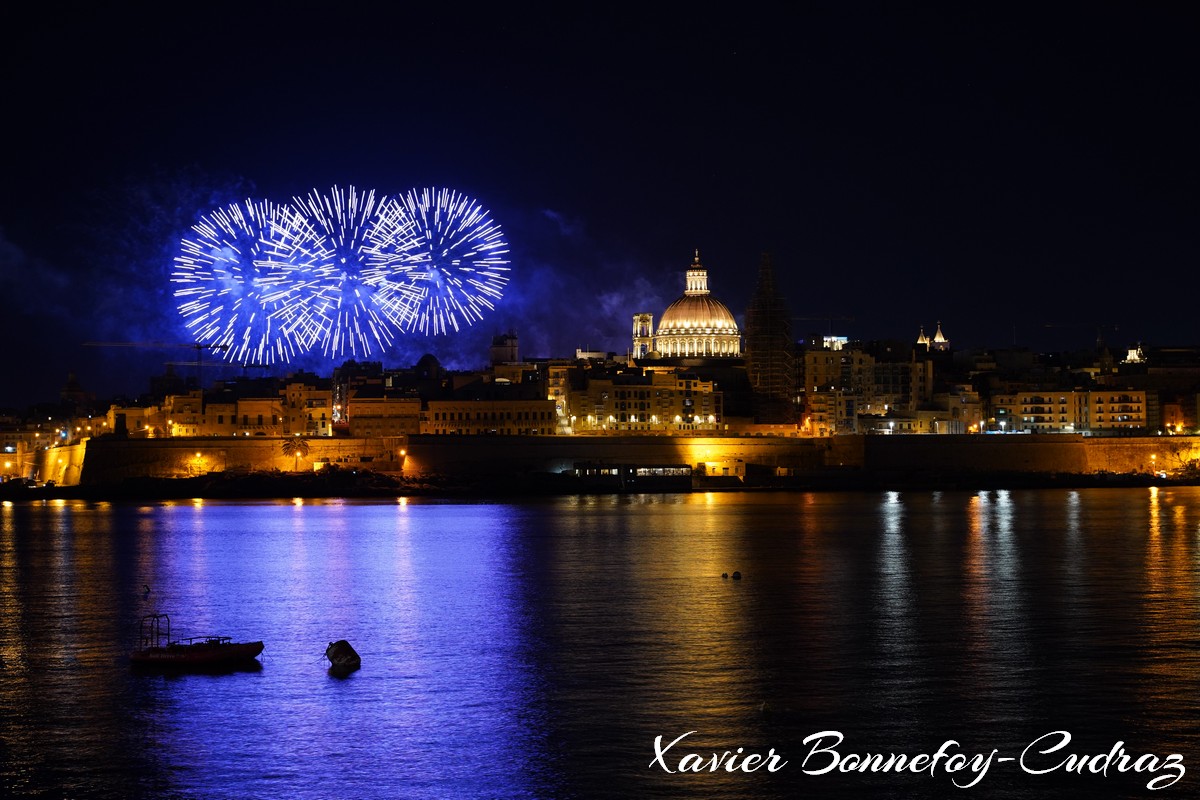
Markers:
point(200, 653)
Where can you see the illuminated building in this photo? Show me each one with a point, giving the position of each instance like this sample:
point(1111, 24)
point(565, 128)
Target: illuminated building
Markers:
point(558, 389)
point(260, 416)
point(182, 415)
point(848, 369)
point(830, 411)
point(939, 342)
point(1070, 412)
point(301, 407)
point(948, 414)
point(849, 389)
point(18, 448)
point(350, 375)
point(308, 407)
point(131, 420)
point(643, 335)
point(221, 418)
point(497, 417)
point(379, 413)
point(697, 325)
point(655, 402)
point(900, 385)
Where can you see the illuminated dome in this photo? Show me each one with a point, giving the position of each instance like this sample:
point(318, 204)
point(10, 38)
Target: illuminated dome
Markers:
point(697, 325)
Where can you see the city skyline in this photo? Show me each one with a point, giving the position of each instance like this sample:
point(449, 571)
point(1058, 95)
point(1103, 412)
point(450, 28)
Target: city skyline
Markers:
point(155, 361)
point(999, 173)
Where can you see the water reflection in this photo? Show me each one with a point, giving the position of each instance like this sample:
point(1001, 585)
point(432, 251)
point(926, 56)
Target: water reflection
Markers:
point(976, 596)
point(62, 598)
point(895, 620)
point(1170, 612)
point(536, 649)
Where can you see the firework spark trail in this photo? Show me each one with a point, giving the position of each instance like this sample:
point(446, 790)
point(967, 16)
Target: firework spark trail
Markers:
point(356, 303)
point(294, 257)
point(235, 291)
point(451, 256)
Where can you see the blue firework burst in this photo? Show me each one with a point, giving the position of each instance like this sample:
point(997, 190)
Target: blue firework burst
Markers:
point(344, 271)
point(242, 281)
point(447, 255)
point(355, 302)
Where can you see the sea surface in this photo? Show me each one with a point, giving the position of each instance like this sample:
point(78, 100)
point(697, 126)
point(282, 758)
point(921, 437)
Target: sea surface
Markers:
point(541, 648)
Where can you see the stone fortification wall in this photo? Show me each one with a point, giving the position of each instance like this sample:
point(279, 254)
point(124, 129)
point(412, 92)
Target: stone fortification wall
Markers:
point(476, 456)
point(63, 465)
point(1143, 454)
point(878, 454)
point(112, 460)
point(108, 460)
point(974, 454)
point(1057, 453)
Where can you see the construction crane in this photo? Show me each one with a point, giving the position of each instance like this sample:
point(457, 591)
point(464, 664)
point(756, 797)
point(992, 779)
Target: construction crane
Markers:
point(246, 367)
point(199, 347)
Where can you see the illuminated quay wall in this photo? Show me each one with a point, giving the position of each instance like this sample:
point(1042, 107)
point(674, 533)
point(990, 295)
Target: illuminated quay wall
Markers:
point(1027, 453)
point(112, 460)
point(63, 465)
point(478, 456)
point(108, 460)
point(949, 455)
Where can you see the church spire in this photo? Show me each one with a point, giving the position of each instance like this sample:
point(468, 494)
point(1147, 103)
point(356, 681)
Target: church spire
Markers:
point(940, 342)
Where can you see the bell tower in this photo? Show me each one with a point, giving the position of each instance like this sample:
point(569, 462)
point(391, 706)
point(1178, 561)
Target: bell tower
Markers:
point(643, 334)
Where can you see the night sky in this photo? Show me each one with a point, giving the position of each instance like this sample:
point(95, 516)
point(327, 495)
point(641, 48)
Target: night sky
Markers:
point(997, 167)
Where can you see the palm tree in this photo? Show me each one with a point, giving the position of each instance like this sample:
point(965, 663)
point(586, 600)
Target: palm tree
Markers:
point(295, 447)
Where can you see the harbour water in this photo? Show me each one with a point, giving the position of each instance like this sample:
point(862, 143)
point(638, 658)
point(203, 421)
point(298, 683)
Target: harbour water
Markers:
point(537, 649)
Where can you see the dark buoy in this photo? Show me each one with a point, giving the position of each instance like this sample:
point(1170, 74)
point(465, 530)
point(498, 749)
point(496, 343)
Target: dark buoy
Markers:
point(737, 576)
point(145, 592)
point(342, 658)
